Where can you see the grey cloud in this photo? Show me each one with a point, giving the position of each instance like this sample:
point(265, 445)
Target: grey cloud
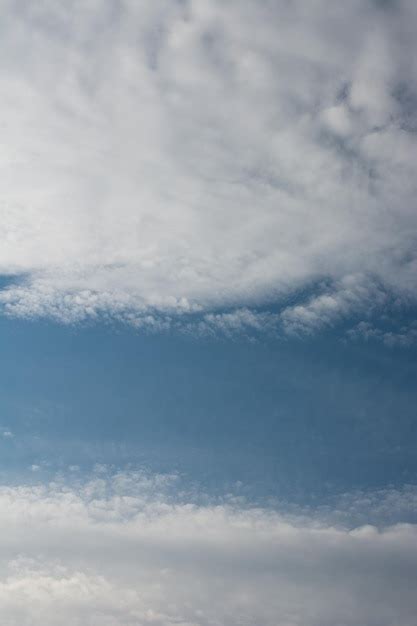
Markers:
point(405, 335)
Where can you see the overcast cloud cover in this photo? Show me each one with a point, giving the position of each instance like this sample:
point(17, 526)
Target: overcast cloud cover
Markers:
point(164, 158)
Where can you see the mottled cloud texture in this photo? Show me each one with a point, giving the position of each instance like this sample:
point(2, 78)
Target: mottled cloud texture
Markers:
point(125, 550)
point(161, 159)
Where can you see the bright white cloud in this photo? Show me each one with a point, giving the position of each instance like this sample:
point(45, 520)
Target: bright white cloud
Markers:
point(162, 157)
point(126, 551)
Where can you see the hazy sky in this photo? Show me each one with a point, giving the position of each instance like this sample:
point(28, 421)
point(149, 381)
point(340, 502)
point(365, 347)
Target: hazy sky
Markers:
point(208, 312)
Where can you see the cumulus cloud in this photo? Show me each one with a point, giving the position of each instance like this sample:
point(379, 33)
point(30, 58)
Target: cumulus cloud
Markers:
point(176, 158)
point(129, 550)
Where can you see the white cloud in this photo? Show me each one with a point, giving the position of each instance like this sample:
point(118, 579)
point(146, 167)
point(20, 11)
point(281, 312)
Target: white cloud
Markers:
point(352, 293)
point(124, 550)
point(235, 322)
point(179, 157)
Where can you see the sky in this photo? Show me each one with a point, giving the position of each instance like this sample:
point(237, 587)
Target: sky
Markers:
point(208, 313)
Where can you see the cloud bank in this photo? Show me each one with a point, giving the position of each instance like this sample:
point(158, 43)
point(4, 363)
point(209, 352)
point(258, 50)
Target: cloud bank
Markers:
point(124, 550)
point(175, 158)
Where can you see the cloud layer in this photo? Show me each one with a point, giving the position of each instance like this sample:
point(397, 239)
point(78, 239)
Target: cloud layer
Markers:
point(182, 157)
point(127, 550)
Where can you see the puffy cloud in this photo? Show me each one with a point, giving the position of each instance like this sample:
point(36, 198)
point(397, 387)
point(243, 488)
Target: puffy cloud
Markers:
point(236, 322)
point(161, 159)
point(352, 293)
point(129, 549)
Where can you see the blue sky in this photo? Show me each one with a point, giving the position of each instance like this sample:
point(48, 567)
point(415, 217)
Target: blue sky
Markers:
point(290, 418)
point(208, 313)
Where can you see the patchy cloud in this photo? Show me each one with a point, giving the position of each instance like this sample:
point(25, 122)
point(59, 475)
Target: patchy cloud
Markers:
point(165, 159)
point(404, 336)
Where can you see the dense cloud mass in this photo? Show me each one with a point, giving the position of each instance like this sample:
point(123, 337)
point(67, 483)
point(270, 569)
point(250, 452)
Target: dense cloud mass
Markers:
point(124, 550)
point(169, 158)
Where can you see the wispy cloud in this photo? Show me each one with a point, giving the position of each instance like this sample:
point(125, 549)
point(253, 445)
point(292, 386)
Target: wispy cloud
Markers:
point(170, 158)
point(6, 433)
point(406, 335)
